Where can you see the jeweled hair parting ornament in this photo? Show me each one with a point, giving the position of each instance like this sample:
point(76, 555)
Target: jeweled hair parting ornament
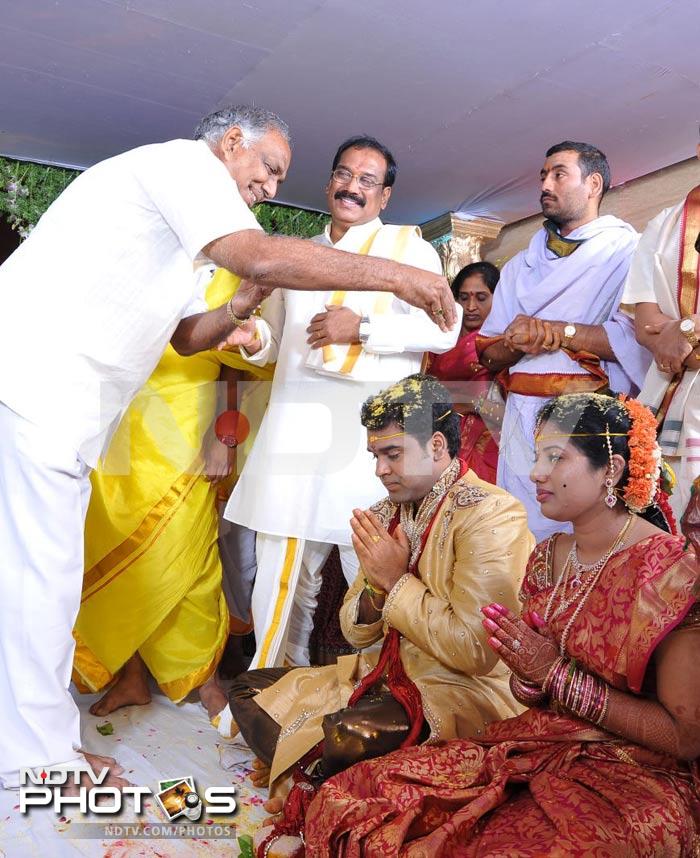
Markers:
point(610, 496)
point(644, 463)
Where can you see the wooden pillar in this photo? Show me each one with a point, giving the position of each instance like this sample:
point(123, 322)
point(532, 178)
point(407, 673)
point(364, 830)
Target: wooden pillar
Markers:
point(459, 240)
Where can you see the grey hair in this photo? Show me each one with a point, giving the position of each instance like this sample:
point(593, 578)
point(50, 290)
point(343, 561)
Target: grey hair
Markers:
point(253, 122)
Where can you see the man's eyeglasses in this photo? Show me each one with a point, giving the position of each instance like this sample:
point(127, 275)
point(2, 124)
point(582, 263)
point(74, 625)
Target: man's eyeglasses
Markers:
point(343, 176)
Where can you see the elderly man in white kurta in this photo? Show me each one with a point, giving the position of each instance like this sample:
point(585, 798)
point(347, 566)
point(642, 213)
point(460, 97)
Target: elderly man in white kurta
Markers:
point(101, 285)
point(309, 467)
point(556, 324)
point(664, 287)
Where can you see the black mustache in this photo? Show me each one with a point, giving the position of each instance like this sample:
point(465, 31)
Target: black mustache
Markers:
point(346, 195)
point(544, 197)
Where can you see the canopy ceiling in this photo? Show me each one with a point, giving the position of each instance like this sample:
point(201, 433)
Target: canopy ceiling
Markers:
point(467, 93)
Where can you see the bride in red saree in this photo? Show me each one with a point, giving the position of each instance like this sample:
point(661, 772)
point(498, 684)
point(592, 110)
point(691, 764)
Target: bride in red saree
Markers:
point(605, 654)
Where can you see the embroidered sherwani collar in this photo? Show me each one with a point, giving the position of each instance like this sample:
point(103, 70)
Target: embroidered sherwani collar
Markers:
point(415, 525)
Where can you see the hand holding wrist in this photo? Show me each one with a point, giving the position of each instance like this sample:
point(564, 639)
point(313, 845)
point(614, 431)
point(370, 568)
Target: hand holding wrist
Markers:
point(240, 306)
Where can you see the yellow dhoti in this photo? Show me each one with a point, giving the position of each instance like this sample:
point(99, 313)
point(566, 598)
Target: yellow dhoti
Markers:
point(153, 574)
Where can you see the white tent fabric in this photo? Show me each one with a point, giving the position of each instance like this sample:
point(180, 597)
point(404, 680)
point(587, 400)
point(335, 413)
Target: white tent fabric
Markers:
point(467, 93)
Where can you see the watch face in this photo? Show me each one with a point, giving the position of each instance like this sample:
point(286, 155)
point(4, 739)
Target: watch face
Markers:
point(569, 331)
point(687, 326)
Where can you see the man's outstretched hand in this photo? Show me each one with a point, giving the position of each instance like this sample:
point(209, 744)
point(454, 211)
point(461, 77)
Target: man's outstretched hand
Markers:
point(429, 292)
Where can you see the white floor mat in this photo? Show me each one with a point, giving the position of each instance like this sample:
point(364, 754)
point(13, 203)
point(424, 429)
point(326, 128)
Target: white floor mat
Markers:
point(155, 742)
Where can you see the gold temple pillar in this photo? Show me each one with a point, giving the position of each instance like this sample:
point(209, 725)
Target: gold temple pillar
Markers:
point(459, 240)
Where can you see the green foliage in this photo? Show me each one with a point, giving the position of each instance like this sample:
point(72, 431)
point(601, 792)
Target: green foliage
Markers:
point(245, 844)
point(288, 220)
point(27, 190)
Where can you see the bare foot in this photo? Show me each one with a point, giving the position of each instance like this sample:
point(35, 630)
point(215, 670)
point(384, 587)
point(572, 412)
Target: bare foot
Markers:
point(131, 689)
point(260, 776)
point(213, 696)
point(273, 806)
point(97, 763)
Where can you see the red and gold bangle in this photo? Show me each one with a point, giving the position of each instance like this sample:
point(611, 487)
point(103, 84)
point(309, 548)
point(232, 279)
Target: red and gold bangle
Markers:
point(527, 693)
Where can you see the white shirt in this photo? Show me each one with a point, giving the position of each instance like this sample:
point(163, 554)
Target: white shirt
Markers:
point(653, 278)
point(309, 465)
point(655, 263)
point(93, 296)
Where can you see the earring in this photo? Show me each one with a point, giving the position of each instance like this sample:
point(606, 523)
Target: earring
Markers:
point(610, 496)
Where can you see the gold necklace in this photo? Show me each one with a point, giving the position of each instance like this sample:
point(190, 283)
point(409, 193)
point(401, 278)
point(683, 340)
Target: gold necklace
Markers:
point(582, 593)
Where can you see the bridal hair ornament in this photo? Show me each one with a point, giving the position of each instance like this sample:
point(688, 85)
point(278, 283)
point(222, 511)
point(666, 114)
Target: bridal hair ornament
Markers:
point(610, 496)
point(645, 457)
point(645, 461)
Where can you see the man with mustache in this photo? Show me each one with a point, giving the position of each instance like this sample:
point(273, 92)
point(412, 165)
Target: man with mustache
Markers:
point(309, 467)
point(431, 552)
point(104, 282)
point(556, 325)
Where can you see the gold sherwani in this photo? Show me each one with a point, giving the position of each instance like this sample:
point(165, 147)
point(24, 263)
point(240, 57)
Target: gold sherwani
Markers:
point(475, 554)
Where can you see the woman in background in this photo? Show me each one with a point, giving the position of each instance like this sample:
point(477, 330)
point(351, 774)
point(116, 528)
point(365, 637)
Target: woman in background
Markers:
point(473, 288)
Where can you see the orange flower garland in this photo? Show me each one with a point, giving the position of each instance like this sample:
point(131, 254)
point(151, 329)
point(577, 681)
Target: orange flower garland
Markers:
point(645, 457)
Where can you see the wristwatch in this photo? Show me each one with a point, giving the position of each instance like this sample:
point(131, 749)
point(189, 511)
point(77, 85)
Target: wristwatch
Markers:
point(569, 334)
point(364, 329)
point(687, 327)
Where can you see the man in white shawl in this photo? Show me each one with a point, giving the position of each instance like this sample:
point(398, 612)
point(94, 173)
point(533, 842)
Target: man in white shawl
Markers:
point(663, 285)
point(556, 325)
point(309, 466)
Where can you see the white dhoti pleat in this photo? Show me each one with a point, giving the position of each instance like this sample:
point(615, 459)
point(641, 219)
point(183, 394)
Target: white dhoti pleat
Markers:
point(44, 492)
point(285, 596)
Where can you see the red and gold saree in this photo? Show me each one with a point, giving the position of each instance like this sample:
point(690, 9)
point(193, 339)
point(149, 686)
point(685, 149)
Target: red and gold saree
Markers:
point(540, 784)
point(478, 445)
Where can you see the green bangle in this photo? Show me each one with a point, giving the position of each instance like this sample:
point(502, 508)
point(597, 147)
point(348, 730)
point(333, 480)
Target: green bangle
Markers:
point(373, 590)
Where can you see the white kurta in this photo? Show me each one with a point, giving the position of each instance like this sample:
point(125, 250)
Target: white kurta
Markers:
point(102, 282)
point(90, 301)
point(309, 466)
point(584, 287)
point(653, 279)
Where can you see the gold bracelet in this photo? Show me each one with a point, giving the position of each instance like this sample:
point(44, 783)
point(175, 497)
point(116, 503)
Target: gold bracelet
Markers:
point(235, 320)
point(371, 593)
point(376, 607)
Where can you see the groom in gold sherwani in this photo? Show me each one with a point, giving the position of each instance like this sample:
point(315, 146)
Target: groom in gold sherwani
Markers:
point(439, 547)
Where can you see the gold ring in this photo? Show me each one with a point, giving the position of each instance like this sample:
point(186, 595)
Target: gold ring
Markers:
point(375, 538)
point(439, 312)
